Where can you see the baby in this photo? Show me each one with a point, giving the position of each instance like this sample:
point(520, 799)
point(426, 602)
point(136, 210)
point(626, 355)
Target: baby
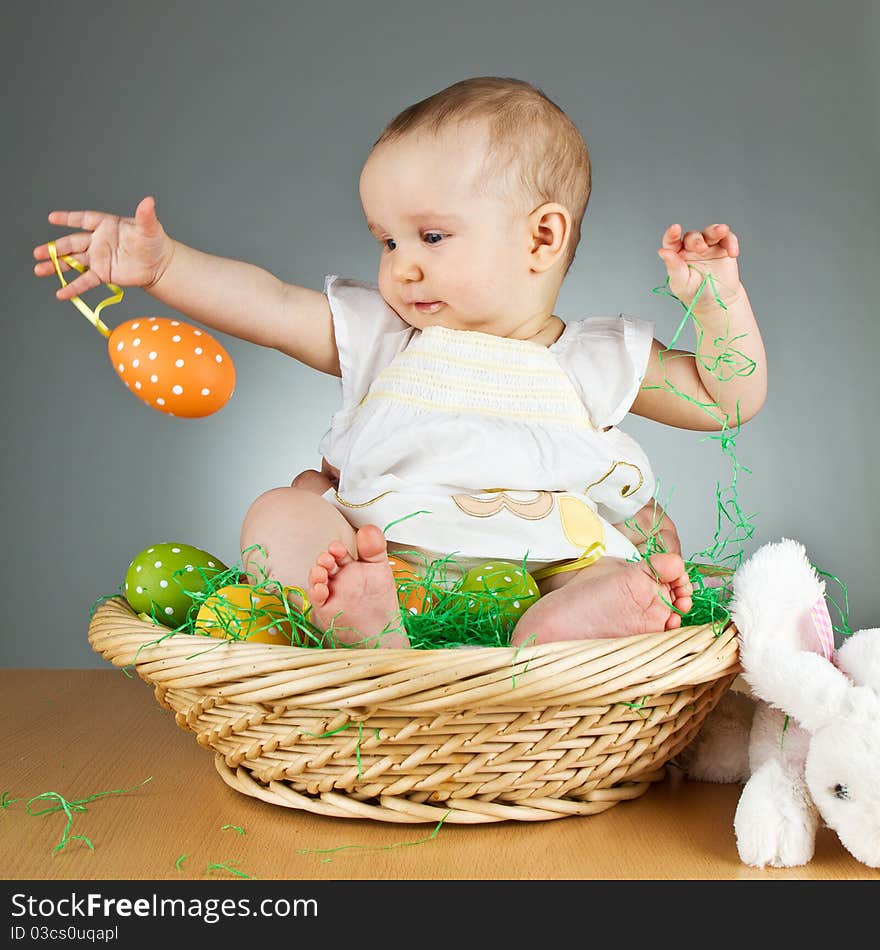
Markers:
point(474, 423)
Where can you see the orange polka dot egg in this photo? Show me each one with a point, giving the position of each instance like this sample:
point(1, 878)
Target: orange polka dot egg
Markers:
point(172, 366)
point(410, 594)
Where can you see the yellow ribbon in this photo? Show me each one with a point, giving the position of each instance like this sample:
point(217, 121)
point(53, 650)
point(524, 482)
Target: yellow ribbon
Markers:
point(84, 309)
point(590, 556)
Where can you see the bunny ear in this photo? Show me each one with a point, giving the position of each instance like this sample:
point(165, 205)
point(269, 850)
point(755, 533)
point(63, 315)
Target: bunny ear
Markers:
point(805, 686)
point(777, 603)
point(859, 658)
point(774, 593)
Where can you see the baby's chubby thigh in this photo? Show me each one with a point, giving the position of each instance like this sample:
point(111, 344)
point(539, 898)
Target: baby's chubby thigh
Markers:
point(285, 530)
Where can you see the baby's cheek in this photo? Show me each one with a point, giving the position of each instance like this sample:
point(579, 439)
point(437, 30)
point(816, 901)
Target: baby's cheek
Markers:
point(383, 282)
point(489, 294)
point(386, 288)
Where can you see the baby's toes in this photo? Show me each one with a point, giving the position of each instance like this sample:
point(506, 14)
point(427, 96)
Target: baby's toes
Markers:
point(340, 553)
point(318, 594)
point(371, 544)
point(327, 561)
point(673, 622)
point(683, 602)
point(318, 574)
point(318, 591)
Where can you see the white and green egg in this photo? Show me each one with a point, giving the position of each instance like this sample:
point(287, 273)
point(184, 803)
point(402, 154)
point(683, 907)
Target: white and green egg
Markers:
point(506, 586)
point(163, 579)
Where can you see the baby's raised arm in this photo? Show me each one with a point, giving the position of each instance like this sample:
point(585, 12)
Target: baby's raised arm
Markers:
point(725, 381)
point(231, 296)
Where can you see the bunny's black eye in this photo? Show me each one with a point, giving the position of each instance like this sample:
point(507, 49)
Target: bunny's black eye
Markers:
point(841, 791)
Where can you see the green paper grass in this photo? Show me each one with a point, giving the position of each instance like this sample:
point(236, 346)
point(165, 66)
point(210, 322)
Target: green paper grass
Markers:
point(230, 868)
point(455, 618)
point(62, 804)
point(387, 847)
point(6, 801)
point(711, 596)
point(638, 708)
point(842, 627)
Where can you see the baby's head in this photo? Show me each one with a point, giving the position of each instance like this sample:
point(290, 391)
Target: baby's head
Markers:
point(476, 195)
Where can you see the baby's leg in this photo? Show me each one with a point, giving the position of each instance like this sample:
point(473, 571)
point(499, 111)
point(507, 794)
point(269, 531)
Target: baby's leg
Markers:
point(312, 481)
point(294, 536)
point(611, 598)
point(317, 482)
point(651, 521)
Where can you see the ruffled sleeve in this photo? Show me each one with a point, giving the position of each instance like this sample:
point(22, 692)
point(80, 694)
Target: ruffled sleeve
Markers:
point(369, 334)
point(606, 359)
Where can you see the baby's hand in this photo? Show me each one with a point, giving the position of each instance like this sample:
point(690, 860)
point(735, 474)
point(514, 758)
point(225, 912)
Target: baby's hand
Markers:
point(689, 257)
point(131, 252)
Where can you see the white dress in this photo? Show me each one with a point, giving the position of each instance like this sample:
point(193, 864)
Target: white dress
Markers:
point(461, 443)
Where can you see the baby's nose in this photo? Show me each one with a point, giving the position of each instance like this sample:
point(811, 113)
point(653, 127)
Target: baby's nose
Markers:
point(406, 266)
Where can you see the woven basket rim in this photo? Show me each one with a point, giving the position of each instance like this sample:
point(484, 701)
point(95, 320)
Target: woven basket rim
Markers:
point(559, 673)
point(121, 609)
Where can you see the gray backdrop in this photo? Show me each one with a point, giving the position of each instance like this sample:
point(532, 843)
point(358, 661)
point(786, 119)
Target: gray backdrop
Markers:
point(249, 123)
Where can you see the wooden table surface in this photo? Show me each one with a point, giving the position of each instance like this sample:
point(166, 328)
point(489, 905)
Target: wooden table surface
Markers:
point(81, 732)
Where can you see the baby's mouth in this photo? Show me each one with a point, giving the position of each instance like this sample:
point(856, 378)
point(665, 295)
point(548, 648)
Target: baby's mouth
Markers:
point(428, 307)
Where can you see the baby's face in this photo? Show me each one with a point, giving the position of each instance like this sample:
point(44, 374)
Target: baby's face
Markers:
point(452, 254)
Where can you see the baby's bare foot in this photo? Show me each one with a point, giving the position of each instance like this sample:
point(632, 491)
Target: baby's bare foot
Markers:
point(611, 599)
point(358, 597)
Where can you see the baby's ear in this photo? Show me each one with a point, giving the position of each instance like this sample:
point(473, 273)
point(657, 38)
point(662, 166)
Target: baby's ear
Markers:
point(550, 229)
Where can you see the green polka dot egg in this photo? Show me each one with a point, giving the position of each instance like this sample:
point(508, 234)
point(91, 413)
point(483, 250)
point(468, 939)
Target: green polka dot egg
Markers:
point(159, 579)
point(512, 588)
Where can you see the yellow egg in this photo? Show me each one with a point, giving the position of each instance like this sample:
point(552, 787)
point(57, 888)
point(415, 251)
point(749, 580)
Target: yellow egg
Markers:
point(243, 612)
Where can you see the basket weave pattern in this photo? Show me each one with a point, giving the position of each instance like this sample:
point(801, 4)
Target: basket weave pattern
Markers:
point(465, 735)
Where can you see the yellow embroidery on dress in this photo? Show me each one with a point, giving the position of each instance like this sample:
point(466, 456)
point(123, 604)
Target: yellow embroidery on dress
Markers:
point(578, 421)
point(366, 504)
point(474, 339)
point(534, 510)
point(454, 384)
point(627, 490)
point(412, 356)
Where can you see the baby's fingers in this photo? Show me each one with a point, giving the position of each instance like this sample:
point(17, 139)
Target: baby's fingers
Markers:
point(721, 236)
point(676, 268)
point(47, 268)
point(70, 244)
point(695, 242)
point(730, 243)
point(88, 220)
point(76, 288)
point(672, 238)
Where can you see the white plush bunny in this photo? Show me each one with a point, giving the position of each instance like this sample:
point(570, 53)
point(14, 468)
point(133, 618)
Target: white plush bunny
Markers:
point(812, 725)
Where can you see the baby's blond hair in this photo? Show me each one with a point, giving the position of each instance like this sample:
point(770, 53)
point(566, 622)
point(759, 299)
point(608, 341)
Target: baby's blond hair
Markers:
point(533, 145)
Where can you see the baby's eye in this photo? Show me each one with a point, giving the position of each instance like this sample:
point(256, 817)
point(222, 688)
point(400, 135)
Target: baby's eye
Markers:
point(841, 791)
point(433, 237)
point(390, 243)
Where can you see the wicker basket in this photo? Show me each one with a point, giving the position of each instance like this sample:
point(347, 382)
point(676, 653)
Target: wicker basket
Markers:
point(467, 735)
